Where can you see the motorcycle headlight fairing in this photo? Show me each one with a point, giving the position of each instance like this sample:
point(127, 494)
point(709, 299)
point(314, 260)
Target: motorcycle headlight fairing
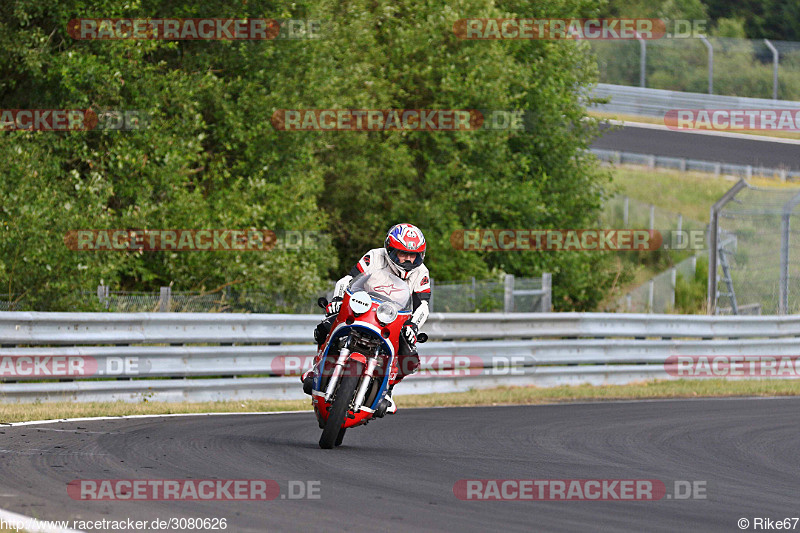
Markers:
point(386, 313)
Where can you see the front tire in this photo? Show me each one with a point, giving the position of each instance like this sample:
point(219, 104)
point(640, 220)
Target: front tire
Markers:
point(340, 437)
point(341, 404)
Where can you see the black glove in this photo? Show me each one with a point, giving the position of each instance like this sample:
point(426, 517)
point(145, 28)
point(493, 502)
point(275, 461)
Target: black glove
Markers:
point(410, 333)
point(333, 307)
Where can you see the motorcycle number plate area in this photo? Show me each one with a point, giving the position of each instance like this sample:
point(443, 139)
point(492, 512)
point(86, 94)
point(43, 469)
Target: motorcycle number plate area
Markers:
point(360, 302)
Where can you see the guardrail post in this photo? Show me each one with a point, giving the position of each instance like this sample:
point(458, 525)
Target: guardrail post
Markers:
point(642, 62)
point(710, 64)
point(102, 295)
point(229, 299)
point(683, 165)
point(713, 244)
point(165, 299)
point(547, 287)
point(508, 300)
point(673, 280)
point(775, 61)
point(783, 294)
point(651, 161)
point(625, 212)
point(650, 289)
point(678, 234)
point(474, 294)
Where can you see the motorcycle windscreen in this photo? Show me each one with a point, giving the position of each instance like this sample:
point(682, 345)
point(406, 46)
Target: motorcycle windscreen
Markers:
point(385, 287)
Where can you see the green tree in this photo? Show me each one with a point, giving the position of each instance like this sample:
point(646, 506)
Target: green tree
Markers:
point(210, 158)
point(405, 55)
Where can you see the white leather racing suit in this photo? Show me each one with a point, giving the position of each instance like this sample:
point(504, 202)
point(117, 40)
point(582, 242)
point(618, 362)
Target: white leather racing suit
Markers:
point(418, 279)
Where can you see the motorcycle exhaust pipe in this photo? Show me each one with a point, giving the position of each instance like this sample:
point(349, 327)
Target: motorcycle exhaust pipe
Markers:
point(337, 372)
point(362, 389)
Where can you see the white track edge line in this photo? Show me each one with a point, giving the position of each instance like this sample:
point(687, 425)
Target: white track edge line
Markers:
point(125, 417)
point(262, 413)
point(729, 134)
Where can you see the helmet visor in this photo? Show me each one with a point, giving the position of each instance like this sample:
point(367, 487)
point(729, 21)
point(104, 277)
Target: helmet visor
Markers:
point(405, 260)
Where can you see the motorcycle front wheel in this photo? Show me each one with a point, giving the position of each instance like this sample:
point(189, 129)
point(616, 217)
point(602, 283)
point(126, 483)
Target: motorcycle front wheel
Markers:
point(340, 437)
point(341, 404)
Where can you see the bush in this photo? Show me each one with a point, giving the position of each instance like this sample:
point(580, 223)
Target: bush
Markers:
point(691, 294)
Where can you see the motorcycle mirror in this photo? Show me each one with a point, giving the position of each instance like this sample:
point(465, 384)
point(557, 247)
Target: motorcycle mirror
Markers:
point(322, 302)
point(422, 337)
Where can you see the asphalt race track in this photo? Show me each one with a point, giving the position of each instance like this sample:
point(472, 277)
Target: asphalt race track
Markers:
point(398, 474)
point(715, 148)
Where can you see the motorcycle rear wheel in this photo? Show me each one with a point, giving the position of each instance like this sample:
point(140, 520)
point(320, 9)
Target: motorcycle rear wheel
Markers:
point(341, 404)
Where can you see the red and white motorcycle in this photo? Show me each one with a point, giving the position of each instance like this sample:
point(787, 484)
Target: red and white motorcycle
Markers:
point(358, 361)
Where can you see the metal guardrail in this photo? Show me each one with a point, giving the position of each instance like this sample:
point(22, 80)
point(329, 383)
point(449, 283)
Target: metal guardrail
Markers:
point(473, 351)
point(197, 328)
point(684, 165)
point(656, 102)
point(201, 361)
point(152, 328)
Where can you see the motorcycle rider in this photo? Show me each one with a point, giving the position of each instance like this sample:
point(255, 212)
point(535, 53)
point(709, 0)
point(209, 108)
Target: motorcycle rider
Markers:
point(402, 254)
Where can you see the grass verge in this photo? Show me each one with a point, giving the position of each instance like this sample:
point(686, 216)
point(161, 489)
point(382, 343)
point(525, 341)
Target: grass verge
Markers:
point(688, 193)
point(498, 396)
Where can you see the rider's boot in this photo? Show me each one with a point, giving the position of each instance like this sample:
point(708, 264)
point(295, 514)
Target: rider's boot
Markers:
point(409, 364)
point(308, 380)
point(320, 335)
point(392, 407)
point(387, 405)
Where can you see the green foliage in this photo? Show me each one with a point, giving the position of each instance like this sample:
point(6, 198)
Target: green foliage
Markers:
point(666, 9)
point(732, 28)
point(211, 159)
point(691, 294)
point(754, 19)
point(741, 68)
point(763, 19)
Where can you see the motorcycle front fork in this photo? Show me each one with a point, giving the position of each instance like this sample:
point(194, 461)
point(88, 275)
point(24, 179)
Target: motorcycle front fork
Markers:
point(369, 373)
point(344, 353)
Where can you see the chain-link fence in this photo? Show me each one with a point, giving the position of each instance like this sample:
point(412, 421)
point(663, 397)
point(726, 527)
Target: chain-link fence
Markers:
point(165, 301)
point(10, 302)
point(697, 165)
point(658, 294)
point(756, 269)
point(755, 68)
point(624, 212)
point(467, 296)
point(511, 294)
point(223, 301)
